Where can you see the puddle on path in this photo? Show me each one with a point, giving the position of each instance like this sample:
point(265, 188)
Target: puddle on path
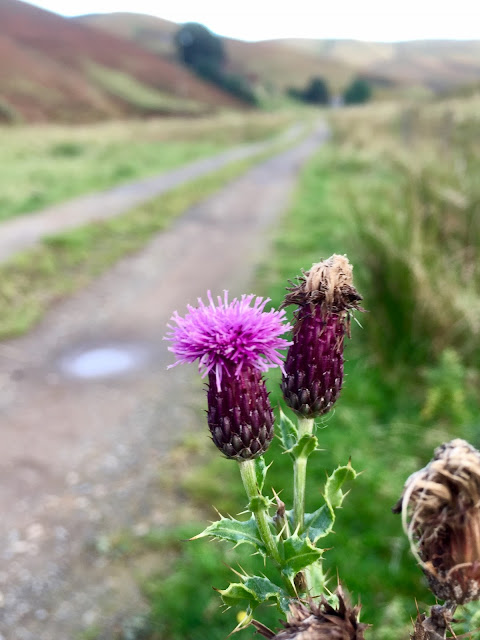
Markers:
point(103, 361)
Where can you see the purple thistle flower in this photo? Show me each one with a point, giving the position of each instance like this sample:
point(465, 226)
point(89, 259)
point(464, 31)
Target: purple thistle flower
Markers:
point(313, 375)
point(234, 342)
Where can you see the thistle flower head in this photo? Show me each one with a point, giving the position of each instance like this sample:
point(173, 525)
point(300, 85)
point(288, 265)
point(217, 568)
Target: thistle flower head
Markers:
point(234, 342)
point(440, 509)
point(314, 367)
point(312, 621)
point(229, 336)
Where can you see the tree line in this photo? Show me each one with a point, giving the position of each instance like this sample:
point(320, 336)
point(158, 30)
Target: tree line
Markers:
point(204, 53)
point(317, 92)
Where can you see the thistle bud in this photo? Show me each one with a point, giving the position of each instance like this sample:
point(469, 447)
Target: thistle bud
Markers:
point(440, 508)
point(312, 621)
point(313, 374)
point(234, 342)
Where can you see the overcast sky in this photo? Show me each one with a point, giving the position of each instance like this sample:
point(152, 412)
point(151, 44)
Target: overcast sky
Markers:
point(381, 20)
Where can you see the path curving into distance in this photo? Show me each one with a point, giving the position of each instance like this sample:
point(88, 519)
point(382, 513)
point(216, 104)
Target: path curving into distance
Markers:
point(88, 411)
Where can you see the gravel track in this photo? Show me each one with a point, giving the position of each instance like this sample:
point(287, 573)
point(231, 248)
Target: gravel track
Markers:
point(80, 456)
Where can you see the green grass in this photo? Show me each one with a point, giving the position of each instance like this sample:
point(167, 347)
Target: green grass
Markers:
point(123, 86)
point(410, 385)
point(47, 164)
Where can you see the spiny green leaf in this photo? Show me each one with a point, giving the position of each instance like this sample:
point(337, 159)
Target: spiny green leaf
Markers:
point(333, 488)
point(305, 446)
point(288, 432)
point(253, 591)
point(298, 553)
point(260, 471)
point(319, 523)
point(235, 531)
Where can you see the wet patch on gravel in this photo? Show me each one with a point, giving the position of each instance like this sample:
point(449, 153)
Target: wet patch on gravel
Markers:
point(104, 360)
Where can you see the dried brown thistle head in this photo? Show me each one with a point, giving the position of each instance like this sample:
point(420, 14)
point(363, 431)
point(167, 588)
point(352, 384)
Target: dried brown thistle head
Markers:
point(440, 509)
point(319, 621)
point(328, 283)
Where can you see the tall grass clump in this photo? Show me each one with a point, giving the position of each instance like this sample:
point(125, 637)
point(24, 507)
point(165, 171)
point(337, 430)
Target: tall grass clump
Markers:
point(416, 222)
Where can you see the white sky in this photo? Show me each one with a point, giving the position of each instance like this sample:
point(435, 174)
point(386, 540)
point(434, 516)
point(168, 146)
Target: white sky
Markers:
point(380, 20)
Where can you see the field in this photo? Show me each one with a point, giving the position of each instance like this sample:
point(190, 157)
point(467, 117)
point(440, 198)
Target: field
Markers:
point(397, 191)
point(46, 164)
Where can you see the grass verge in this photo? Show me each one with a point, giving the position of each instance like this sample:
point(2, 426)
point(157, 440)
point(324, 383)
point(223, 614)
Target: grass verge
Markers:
point(46, 164)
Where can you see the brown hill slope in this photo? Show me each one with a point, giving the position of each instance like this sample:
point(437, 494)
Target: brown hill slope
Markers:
point(55, 68)
point(152, 33)
point(268, 63)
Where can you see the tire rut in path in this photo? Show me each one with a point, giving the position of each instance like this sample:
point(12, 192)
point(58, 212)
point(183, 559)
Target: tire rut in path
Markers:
point(80, 457)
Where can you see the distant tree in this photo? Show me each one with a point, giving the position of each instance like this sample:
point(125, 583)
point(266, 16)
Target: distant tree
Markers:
point(358, 92)
point(197, 46)
point(317, 92)
point(203, 52)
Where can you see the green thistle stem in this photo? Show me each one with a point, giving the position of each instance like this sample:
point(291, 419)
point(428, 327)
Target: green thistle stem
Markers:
point(257, 505)
point(305, 427)
point(313, 574)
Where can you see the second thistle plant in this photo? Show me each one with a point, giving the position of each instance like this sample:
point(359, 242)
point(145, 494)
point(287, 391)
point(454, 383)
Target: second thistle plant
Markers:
point(234, 343)
point(313, 376)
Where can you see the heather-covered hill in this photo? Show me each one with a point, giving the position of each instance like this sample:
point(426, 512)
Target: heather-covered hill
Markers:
point(55, 68)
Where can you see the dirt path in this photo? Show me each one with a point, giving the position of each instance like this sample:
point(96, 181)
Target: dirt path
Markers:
point(24, 231)
point(80, 455)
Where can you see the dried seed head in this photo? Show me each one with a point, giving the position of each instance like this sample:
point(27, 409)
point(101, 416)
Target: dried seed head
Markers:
point(329, 283)
point(314, 366)
point(433, 627)
point(440, 509)
point(320, 621)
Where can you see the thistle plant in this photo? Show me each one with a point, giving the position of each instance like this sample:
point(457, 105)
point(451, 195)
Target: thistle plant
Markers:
point(235, 343)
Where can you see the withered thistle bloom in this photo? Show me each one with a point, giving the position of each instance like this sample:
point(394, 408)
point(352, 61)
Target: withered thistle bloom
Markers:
point(234, 343)
point(325, 297)
point(319, 621)
point(440, 508)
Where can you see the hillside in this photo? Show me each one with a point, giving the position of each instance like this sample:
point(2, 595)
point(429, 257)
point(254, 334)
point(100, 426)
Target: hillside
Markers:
point(55, 68)
point(436, 64)
point(269, 64)
point(433, 64)
point(150, 32)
